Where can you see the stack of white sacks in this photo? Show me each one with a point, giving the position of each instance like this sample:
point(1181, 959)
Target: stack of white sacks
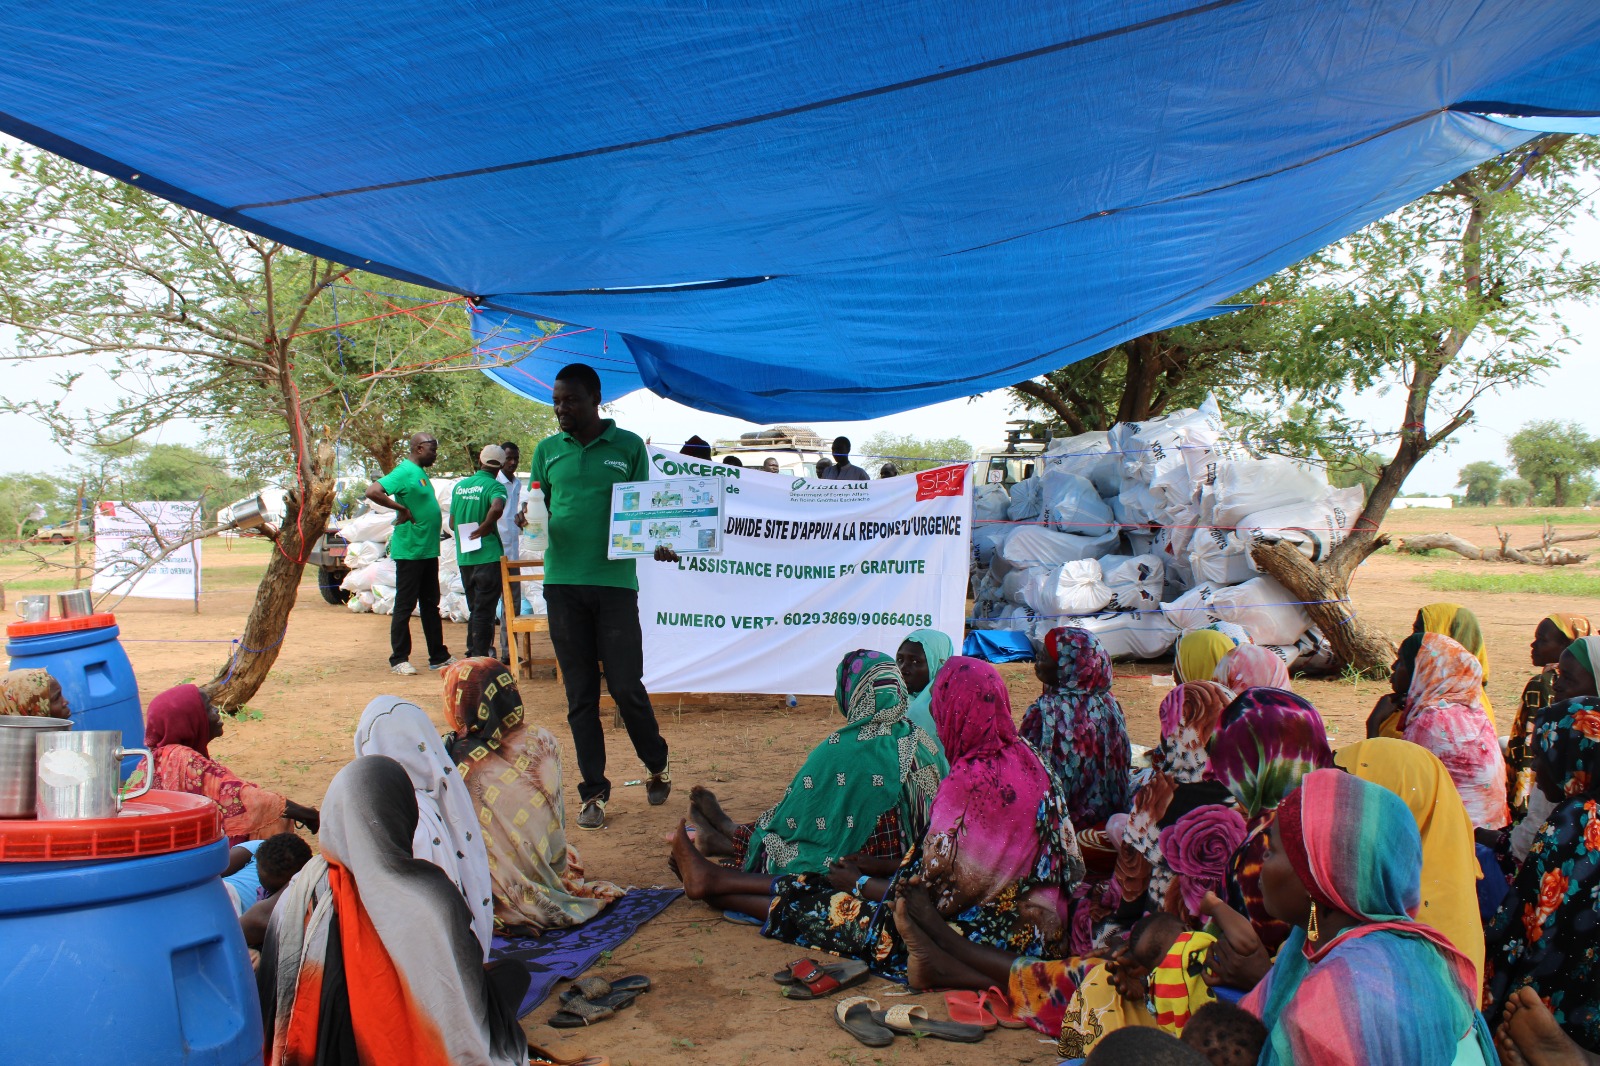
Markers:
point(1142, 534)
point(371, 581)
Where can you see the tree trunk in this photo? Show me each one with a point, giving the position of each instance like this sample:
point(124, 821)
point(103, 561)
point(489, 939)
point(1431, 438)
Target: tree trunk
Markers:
point(257, 649)
point(1325, 589)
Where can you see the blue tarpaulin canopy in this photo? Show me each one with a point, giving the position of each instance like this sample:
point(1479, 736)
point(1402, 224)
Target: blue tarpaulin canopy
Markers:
point(802, 208)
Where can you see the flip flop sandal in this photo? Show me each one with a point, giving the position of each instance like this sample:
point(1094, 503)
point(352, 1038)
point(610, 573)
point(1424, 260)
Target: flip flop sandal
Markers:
point(995, 1002)
point(967, 1008)
point(858, 1016)
point(578, 1012)
point(594, 999)
point(912, 1019)
point(812, 981)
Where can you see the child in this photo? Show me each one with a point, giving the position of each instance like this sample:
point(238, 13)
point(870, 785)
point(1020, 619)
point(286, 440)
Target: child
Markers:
point(1226, 1034)
point(1157, 982)
point(278, 859)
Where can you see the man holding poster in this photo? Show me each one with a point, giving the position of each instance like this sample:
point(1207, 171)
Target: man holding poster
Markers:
point(593, 600)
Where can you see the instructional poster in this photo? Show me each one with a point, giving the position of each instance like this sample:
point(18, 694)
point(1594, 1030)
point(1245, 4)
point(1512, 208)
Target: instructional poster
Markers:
point(809, 570)
point(128, 535)
point(684, 514)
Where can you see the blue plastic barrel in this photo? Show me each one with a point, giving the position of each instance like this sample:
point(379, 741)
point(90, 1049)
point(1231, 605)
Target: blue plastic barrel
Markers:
point(94, 673)
point(132, 962)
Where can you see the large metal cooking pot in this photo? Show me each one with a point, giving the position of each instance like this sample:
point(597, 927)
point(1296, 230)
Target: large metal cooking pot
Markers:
point(18, 761)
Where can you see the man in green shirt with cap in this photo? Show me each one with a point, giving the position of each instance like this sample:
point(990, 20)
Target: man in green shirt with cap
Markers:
point(593, 601)
point(475, 507)
point(414, 547)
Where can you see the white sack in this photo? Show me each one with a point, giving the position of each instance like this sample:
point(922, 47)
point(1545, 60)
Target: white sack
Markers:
point(453, 607)
point(378, 573)
point(375, 525)
point(989, 502)
point(1132, 634)
point(984, 540)
point(383, 599)
point(1220, 557)
point(1012, 585)
point(1151, 448)
point(1087, 455)
point(1315, 529)
point(1246, 486)
point(1134, 583)
point(1070, 590)
point(1071, 504)
point(1037, 546)
point(1025, 503)
point(1262, 606)
point(363, 553)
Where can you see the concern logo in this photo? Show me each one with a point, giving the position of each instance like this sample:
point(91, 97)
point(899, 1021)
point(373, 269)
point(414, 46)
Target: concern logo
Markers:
point(692, 468)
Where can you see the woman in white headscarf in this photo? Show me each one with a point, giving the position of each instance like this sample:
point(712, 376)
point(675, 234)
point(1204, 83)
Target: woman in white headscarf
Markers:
point(447, 833)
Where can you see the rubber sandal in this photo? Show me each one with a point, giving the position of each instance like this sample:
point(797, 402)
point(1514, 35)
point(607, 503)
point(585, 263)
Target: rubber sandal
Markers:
point(996, 1003)
point(858, 1016)
point(911, 1019)
point(967, 1008)
point(812, 981)
point(577, 1012)
point(540, 1056)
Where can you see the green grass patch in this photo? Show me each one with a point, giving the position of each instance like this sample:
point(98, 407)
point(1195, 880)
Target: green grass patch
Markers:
point(1560, 519)
point(1556, 581)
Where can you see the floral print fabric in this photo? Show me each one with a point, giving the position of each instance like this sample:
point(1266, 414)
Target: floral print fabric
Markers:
point(1077, 729)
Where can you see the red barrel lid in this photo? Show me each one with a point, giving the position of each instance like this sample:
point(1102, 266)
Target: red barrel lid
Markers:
point(51, 626)
point(154, 824)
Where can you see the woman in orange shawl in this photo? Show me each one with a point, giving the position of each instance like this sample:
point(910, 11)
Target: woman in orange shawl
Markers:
point(178, 729)
point(370, 955)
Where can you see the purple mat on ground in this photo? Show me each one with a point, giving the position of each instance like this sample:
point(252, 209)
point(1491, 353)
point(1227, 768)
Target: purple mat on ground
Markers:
point(561, 954)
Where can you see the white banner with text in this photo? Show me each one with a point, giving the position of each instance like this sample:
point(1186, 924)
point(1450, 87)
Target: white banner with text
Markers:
point(129, 535)
point(809, 571)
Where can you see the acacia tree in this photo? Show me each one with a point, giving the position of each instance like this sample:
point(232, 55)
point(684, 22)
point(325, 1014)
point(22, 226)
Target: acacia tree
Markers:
point(1555, 456)
point(1449, 297)
point(1481, 482)
point(189, 318)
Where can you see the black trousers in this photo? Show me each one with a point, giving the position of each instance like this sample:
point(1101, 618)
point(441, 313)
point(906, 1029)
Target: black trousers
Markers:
point(416, 585)
point(482, 584)
point(590, 625)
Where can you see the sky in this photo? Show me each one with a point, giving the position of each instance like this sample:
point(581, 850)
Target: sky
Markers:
point(1567, 393)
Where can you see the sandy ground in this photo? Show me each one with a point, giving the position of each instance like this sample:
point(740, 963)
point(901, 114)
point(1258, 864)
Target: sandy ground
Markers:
point(714, 1001)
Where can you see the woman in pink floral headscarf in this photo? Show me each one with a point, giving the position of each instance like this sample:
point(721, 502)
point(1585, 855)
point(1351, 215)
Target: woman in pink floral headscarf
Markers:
point(1444, 712)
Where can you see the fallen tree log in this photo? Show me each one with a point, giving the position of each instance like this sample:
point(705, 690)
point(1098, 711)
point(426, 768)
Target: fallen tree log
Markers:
point(1532, 555)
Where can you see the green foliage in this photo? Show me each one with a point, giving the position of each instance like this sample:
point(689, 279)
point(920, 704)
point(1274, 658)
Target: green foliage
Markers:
point(1553, 456)
point(1517, 492)
point(19, 494)
point(910, 453)
point(1481, 482)
point(1564, 519)
point(1356, 468)
point(1541, 581)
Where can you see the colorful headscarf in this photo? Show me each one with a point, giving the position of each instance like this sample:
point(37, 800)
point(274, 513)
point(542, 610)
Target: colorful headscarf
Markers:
point(937, 648)
point(177, 730)
point(1445, 714)
point(1356, 848)
point(448, 834)
point(1077, 729)
point(1251, 666)
point(482, 707)
point(1573, 625)
point(984, 831)
point(1199, 653)
point(1544, 933)
point(1587, 651)
point(406, 981)
point(1269, 741)
point(1449, 865)
point(27, 692)
point(875, 761)
point(1190, 715)
point(1460, 625)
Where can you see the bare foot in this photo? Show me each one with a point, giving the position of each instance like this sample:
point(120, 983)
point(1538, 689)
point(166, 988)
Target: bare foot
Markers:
point(1533, 1035)
point(922, 971)
point(919, 907)
point(709, 839)
point(693, 869)
point(707, 813)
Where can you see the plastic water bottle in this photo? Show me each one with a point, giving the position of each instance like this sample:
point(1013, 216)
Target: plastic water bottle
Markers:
point(791, 700)
point(535, 537)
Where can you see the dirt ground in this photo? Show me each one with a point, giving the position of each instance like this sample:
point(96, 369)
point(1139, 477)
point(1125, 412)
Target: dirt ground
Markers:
point(714, 1001)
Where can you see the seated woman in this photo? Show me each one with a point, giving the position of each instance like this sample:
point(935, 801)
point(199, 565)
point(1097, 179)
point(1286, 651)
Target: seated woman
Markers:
point(1443, 711)
point(371, 957)
point(447, 833)
point(1270, 739)
point(33, 693)
point(1251, 666)
point(1077, 729)
point(1190, 715)
point(1543, 936)
point(1577, 670)
point(920, 658)
point(864, 791)
point(513, 775)
point(1360, 980)
point(179, 727)
point(998, 856)
point(1199, 652)
point(1460, 625)
point(1551, 637)
point(1449, 866)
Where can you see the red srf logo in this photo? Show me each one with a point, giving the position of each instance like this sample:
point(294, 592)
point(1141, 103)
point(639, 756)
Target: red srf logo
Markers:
point(944, 481)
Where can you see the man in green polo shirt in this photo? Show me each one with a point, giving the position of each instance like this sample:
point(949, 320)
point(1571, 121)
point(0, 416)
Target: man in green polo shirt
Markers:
point(475, 507)
point(414, 547)
point(593, 601)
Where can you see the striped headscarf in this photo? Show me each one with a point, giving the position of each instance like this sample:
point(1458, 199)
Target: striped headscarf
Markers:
point(1270, 739)
point(1355, 847)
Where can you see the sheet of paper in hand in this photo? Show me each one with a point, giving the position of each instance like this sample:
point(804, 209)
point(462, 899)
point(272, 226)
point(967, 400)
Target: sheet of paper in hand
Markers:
point(684, 514)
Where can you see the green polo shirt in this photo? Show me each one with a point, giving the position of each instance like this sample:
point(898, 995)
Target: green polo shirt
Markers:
point(469, 502)
point(576, 481)
point(408, 484)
